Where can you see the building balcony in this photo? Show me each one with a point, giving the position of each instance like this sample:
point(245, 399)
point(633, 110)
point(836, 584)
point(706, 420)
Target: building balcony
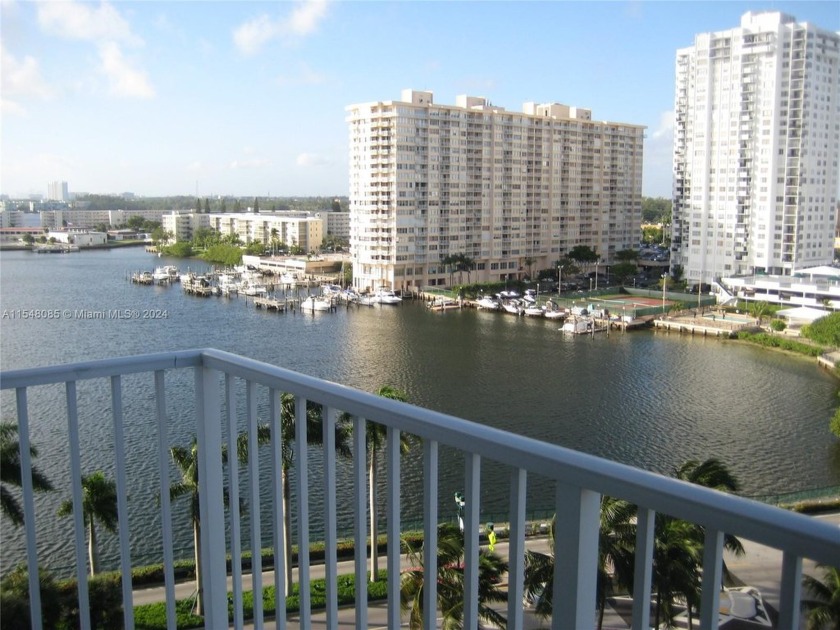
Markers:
point(216, 396)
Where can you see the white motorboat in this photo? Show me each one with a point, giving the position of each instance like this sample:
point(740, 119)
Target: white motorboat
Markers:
point(533, 310)
point(316, 303)
point(555, 313)
point(489, 303)
point(578, 325)
point(288, 279)
point(252, 288)
point(513, 307)
point(165, 274)
point(386, 296)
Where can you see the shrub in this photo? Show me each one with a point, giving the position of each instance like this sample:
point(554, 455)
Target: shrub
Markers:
point(778, 325)
point(770, 341)
point(14, 600)
point(825, 330)
point(104, 597)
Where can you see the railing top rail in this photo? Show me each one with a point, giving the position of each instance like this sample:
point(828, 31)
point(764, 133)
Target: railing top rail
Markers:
point(761, 523)
point(100, 368)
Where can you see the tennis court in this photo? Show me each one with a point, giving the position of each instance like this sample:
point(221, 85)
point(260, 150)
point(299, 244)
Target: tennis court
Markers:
point(618, 302)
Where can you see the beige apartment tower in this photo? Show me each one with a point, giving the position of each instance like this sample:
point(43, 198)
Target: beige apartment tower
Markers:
point(513, 192)
point(756, 142)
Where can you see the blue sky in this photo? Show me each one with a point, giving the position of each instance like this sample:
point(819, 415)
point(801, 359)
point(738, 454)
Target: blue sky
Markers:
point(248, 98)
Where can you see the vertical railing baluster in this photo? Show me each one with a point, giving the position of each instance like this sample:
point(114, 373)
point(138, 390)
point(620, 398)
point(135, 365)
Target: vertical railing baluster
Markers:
point(78, 511)
point(577, 525)
point(360, 518)
point(472, 495)
point(28, 508)
point(301, 463)
point(712, 578)
point(392, 502)
point(643, 570)
point(790, 594)
point(122, 503)
point(211, 491)
point(516, 548)
point(254, 500)
point(276, 423)
point(330, 518)
point(430, 531)
point(165, 506)
point(233, 492)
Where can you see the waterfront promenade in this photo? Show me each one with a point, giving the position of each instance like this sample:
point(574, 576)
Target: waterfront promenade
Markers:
point(760, 566)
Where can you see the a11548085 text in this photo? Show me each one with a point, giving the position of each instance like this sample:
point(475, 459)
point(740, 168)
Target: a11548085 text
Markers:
point(68, 313)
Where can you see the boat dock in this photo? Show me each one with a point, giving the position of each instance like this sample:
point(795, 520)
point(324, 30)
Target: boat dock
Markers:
point(706, 325)
point(274, 304)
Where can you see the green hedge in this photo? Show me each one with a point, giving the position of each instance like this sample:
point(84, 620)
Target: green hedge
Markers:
point(153, 616)
point(782, 343)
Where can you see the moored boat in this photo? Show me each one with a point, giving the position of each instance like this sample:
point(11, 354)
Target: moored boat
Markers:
point(386, 296)
point(316, 303)
point(489, 303)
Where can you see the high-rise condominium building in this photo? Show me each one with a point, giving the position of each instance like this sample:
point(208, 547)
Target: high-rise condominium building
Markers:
point(511, 192)
point(57, 191)
point(756, 145)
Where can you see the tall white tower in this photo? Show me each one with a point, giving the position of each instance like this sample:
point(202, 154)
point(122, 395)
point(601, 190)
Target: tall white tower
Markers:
point(57, 191)
point(756, 149)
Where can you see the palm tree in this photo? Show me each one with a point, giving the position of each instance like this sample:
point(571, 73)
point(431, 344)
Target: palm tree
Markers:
point(314, 436)
point(186, 459)
point(539, 577)
point(450, 582)
point(10, 473)
point(99, 504)
point(824, 608)
point(375, 434)
point(616, 548)
point(678, 544)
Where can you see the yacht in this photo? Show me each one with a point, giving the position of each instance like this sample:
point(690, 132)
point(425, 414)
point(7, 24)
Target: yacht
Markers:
point(386, 296)
point(316, 303)
point(489, 303)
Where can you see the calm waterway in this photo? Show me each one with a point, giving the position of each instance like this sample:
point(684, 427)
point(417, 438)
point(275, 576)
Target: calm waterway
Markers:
point(648, 399)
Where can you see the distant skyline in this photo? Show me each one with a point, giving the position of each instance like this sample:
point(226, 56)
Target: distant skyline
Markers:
point(248, 98)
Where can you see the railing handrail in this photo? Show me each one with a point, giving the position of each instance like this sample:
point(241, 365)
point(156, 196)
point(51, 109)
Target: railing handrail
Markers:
point(804, 536)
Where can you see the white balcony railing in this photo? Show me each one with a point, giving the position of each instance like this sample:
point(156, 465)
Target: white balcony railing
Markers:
point(221, 378)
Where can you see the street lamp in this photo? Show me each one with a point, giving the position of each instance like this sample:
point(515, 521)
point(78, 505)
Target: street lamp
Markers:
point(559, 280)
point(596, 274)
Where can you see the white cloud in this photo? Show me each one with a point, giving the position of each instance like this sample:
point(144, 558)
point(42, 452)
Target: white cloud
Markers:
point(311, 159)
point(303, 20)
point(125, 80)
point(659, 147)
point(665, 129)
point(249, 164)
point(306, 16)
point(77, 20)
point(250, 37)
point(22, 77)
point(104, 26)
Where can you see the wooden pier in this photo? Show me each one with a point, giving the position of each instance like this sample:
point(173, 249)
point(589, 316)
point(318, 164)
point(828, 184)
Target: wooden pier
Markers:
point(273, 304)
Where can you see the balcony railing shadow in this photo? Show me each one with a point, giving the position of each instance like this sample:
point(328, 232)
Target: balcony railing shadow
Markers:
point(217, 396)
